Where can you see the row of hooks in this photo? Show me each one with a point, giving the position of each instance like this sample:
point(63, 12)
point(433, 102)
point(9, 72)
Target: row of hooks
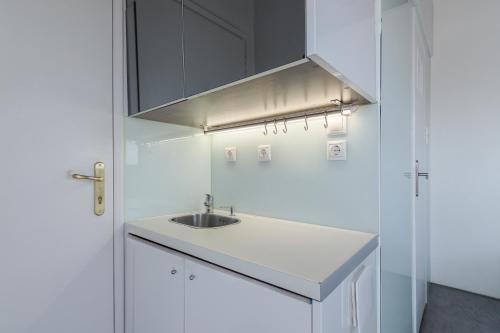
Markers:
point(285, 129)
point(340, 108)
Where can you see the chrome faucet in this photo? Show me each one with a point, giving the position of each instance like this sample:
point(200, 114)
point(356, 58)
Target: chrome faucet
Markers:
point(209, 203)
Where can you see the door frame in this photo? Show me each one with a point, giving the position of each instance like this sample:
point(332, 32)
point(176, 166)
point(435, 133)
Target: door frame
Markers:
point(119, 113)
point(412, 161)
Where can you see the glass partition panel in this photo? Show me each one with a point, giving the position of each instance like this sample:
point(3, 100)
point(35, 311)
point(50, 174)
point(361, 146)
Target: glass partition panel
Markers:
point(396, 166)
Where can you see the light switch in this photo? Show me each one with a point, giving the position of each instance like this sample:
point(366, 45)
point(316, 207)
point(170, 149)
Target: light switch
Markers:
point(264, 153)
point(230, 153)
point(337, 125)
point(336, 150)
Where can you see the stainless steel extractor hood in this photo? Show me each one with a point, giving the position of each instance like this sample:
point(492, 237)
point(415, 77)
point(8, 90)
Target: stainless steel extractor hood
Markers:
point(289, 89)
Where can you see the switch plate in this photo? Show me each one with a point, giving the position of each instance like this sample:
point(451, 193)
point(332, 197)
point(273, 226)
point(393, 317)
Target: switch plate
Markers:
point(264, 153)
point(230, 153)
point(336, 150)
point(337, 125)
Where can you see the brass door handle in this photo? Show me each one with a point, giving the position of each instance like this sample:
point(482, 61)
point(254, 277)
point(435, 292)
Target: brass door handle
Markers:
point(98, 179)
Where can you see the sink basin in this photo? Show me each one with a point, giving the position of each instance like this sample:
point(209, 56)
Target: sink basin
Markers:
point(204, 220)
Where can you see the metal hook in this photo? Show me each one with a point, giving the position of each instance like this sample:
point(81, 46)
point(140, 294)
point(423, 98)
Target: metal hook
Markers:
point(325, 125)
point(306, 127)
point(275, 130)
point(265, 127)
point(284, 124)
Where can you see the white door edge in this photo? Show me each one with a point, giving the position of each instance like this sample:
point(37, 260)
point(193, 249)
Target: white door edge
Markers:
point(119, 113)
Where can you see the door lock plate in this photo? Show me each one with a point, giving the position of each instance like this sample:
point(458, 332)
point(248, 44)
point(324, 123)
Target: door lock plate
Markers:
point(99, 189)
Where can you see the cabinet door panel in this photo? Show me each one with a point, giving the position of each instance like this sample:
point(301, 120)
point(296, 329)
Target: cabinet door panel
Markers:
point(158, 29)
point(221, 301)
point(342, 37)
point(215, 52)
point(280, 36)
point(154, 296)
point(228, 40)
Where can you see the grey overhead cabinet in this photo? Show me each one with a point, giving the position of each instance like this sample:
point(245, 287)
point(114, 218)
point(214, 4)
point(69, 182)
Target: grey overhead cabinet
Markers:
point(210, 62)
point(216, 40)
point(155, 59)
point(229, 40)
point(279, 33)
point(178, 49)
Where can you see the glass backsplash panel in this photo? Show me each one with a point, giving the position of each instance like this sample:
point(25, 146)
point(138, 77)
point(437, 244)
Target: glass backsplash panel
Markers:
point(299, 183)
point(167, 168)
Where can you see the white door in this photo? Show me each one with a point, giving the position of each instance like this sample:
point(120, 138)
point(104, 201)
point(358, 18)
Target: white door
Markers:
point(154, 289)
point(220, 301)
point(56, 255)
point(421, 85)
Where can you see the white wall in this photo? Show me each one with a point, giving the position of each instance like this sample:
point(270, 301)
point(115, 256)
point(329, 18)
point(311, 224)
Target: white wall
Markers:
point(465, 146)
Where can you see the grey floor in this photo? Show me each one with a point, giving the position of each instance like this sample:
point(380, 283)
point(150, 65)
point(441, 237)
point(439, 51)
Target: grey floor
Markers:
point(455, 311)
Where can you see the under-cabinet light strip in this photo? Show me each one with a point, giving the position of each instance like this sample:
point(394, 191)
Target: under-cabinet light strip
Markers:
point(309, 114)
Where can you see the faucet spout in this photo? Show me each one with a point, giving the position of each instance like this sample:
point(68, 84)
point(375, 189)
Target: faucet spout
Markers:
point(209, 203)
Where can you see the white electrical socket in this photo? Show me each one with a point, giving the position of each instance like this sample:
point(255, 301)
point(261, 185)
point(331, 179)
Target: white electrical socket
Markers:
point(230, 153)
point(264, 153)
point(336, 150)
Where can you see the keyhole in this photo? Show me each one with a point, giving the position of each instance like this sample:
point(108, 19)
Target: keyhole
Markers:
point(99, 200)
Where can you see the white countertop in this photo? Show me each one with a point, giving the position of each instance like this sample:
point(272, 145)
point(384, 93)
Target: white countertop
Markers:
point(307, 259)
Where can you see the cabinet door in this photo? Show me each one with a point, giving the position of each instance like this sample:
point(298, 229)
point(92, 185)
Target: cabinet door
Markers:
point(154, 27)
point(343, 37)
point(154, 289)
point(353, 305)
point(228, 40)
point(215, 50)
point(280, 36)
point(221, 301)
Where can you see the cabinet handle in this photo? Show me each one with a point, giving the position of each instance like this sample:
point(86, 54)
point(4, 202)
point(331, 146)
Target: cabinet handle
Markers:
point(192, 277)
point(173, 271)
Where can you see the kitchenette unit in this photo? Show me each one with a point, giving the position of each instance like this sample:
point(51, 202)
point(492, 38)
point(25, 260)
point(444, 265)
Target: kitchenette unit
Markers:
point(212, 86)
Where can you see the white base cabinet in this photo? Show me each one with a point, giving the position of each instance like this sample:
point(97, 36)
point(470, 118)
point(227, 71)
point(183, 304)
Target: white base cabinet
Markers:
point(221, 301)
point(170, 292)
point(154, 289)
point(352, 306)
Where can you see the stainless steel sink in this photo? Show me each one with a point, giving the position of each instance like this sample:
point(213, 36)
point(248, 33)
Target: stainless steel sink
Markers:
point(204, 220)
